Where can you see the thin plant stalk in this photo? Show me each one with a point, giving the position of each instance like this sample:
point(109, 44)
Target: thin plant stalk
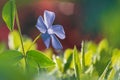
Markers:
point(34, 41)
point(19, 30)
point(83, 56)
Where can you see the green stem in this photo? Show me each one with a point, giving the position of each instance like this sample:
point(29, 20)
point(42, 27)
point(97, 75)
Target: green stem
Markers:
point(18, 25)
point(83, 56)
point(19, 30)
point(34, 41)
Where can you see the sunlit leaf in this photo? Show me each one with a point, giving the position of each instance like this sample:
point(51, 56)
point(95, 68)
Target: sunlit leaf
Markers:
point(67, 64)
point(14, 40)
point(68, 59)
point(88, 58)
point(103, 45)
point(91, 55)
point(42, 60)
point(77, 65)
point(49, 53)
point(59, 63)
point(111, 75)
point(116, 59)
point(8, 14)
point(27, 42)
point(67, 53)
point(89, 45)
point(88, 77)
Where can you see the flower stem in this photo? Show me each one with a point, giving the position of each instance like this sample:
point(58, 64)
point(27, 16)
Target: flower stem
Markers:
point(34, 41)
point(83, 56)
point(19, 30)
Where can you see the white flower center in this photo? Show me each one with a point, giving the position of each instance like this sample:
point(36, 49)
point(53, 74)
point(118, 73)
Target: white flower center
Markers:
point(50, 31)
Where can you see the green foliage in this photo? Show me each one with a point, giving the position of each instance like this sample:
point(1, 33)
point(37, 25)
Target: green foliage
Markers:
point(8, 14)
point(103, 45)
point(10, 57)
point(27, 42)
point(102, 77)
point(14, 40)
point(59, 64)
point(116, 59)
point(42, 60)
point(77, 63)
point(90, 53)
point(68, 58)
point(111, 75)
point(2, 47)
point(23, 52)
point(111, 27)
point(101, 63)
point(94, 61)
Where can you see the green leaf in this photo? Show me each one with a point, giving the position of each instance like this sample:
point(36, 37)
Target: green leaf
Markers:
point(116, 59)
point(32, 66)
point(88, 77)
point(103, 45)
point(10, 57)
point(14, 40)
point(102, 77)
point(67, 53)
point(103, 61)
point(77, 65)
point(59, 63)
point(111, 74)
point(49, 53)
point(27, 43)
point(42, 60)
point(90, 51)
point(8, 14)
point(89, 58)
point(67, 64)
point(68, 58)
point(89, 45)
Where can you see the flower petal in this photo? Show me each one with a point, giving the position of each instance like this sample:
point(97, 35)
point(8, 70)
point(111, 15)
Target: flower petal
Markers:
point(59, 31)
point(40, 25)
point(46, 39)
point(55, 42)
point(49, 17)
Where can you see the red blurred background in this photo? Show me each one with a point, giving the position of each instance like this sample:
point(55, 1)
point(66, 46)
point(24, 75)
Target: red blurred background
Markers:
point(70, 14)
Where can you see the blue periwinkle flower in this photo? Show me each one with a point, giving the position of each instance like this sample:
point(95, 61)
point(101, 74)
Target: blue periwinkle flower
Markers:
point(49, 31)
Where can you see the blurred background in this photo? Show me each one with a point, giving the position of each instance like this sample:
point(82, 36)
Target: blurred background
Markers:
point(81, 19)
